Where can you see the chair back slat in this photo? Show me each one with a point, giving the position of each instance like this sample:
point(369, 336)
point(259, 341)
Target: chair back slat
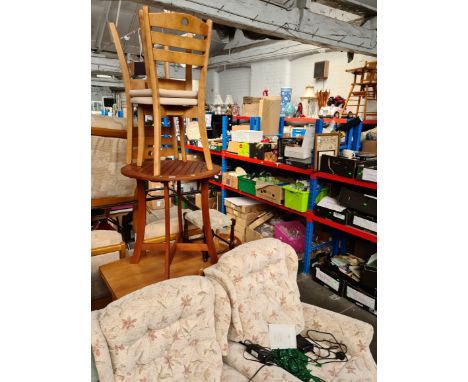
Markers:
point(176, 41)
point(178, 21)
point(178, 57)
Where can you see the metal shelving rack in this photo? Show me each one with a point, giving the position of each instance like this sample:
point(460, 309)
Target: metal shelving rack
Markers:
point(352, 142)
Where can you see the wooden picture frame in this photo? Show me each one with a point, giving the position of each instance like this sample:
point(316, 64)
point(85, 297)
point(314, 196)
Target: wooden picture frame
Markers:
point(326, 143)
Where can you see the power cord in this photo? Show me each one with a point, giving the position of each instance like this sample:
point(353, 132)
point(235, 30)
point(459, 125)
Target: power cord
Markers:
point(261, 355)
point(334, 352)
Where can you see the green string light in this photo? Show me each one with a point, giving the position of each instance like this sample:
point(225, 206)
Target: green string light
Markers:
point(294, 362)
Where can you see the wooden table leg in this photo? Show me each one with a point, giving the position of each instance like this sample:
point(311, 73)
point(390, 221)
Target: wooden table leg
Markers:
point(206, 222)
point(167, 218)
point(179, 209)
point(140, 221)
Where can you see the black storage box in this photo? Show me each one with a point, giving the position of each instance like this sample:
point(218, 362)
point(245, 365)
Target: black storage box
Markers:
point(364, 297)
point(369, 276)
point(338, 165)
point(339, 217)
point(364, 222)
point(371, 174)
point(326, 276)
point(359, 201)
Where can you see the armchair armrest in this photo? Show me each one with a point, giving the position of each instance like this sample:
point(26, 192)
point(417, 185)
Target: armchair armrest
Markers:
point(356, 334)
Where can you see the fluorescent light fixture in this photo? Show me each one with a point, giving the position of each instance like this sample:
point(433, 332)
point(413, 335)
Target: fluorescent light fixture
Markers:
point(103, 76)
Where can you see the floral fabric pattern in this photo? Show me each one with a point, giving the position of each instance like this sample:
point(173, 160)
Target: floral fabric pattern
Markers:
point(260, 279)
point(163, 332)
point(222, 315)
point(357, 336)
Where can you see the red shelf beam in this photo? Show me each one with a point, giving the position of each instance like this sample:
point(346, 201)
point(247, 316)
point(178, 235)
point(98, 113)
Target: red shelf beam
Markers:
point(280, 206)
point(282, 166)
point(343, 179)
point(345, 228)
point(196, 148)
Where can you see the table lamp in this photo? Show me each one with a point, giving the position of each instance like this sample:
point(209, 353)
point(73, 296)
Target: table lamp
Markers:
point(309, 101)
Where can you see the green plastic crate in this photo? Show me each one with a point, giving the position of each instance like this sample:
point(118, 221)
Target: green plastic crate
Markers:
point(246, 184)
point(296, 199)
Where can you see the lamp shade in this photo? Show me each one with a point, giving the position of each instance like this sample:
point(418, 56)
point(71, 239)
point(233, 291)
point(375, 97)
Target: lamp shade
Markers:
point(229, 100)
point(218, 100)
point(309, 92)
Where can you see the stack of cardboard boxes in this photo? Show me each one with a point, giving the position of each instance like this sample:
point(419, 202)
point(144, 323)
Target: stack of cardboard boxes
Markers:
point(245, 211)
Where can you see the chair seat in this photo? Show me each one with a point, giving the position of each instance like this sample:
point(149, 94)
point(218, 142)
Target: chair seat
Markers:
point(104, 238)
point(165, 93)
point(218, 220)
point(165, 101)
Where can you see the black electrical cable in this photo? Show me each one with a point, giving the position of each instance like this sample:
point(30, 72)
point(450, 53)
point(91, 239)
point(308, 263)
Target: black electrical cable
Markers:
point(338, 356)
point(260, 368)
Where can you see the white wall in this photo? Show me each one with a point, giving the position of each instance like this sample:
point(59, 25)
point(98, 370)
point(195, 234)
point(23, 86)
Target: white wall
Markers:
point(274, 74)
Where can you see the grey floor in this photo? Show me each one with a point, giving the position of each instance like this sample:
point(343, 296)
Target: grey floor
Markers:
point(316, 294)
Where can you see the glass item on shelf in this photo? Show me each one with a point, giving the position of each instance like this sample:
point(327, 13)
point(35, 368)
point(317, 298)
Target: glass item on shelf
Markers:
point(285, 98)
point(289, 110)
point(229, 100)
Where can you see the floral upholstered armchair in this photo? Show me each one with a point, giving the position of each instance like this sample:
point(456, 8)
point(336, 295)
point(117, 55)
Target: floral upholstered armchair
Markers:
point(260, 280)
point(163, 332)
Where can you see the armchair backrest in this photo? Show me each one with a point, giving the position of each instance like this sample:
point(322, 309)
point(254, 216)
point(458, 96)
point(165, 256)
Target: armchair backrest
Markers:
point(165, 330)
point(260, 280)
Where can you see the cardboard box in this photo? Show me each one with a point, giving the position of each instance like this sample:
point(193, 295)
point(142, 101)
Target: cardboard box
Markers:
point(239, 232)
point(250, 233)
point(271, 192)
point(240, 127)
point(365, 222)
point(326, 276)
point(250, 100)
point(244, 204)
point(230, 179)
point(212, 202)
point(157, 204)
point(247, 136)
point(243, 149)
point(244, 218)
point(233, 147)
point(364, 297)
point(369, 146)
point(251, 110)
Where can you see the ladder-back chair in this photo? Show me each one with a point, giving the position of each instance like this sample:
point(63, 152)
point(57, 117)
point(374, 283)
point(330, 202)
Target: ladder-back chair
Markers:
point(170, 97)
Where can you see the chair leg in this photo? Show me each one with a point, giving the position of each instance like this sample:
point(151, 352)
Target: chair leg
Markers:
point(204, 138)
point(182, 138)
point(167, 217)
point(157, 141)
point(129, 152)
point(140, 220)
point(141, 135)
point(179, 209)
point(206, 222)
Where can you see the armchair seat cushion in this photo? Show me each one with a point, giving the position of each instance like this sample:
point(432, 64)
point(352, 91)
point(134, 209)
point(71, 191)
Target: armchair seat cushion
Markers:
point(103, 238)
point(164, 93)
point(218, 220)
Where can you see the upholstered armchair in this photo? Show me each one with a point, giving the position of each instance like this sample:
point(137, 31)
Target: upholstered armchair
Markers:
point(260, 280)
point(164, 332)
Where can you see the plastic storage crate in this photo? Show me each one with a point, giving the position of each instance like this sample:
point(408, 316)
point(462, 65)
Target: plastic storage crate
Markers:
point(246, 184)
point(292, 233)
point(296, 199)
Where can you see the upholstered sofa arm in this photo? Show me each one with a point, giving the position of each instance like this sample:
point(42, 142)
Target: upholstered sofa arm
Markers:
point(222, 315)
point(100, 350)
point(236, 360)
point(357, 335)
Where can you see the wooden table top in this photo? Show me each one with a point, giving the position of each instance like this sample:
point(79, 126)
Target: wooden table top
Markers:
point(171, 170)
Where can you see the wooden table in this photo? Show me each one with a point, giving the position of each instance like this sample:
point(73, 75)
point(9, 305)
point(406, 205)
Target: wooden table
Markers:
point(171, 171)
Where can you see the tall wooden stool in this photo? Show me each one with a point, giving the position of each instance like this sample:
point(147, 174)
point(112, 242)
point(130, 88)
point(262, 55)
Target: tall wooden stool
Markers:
point(171, 171)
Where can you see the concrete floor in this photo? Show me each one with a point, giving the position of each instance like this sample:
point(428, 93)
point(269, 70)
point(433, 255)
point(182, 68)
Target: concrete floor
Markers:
point(316, 294)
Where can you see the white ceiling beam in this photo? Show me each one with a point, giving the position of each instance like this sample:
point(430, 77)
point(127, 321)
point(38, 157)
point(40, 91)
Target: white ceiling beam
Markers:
point(271, 51)
point(300, 25)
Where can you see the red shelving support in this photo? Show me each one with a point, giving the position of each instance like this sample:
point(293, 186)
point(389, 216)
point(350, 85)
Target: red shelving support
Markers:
point(369, 122)
point(282, 166)
point(241, 117)
point(343, 179)
point(345, 228)
point(280, 206)
point(305, 120)
point(196, 148)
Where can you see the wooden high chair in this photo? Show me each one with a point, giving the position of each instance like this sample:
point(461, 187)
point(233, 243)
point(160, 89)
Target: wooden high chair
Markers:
point(139, 140)
point(169, 97)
